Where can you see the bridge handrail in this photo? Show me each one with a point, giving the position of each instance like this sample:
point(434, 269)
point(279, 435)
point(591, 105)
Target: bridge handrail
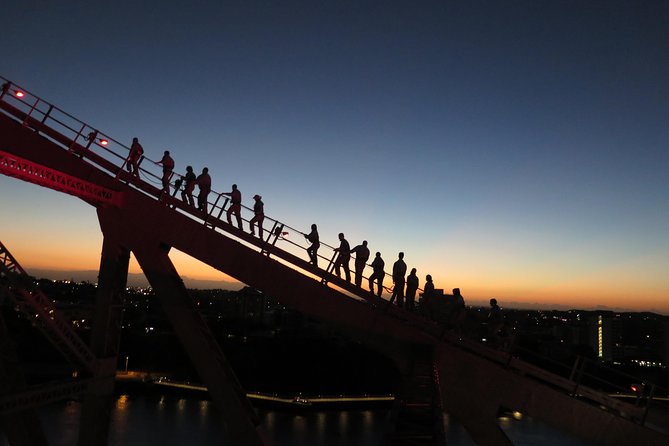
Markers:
point(572, 378)
point(97, 141)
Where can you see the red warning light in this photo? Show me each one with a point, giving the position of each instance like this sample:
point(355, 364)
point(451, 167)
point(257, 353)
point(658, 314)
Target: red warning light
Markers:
point(104, 142)
point(19, 94)
point(634, 388)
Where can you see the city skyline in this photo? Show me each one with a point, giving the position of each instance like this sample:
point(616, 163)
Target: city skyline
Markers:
point(515, 151)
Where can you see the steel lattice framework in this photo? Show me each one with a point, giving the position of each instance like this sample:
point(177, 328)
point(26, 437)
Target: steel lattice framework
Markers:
point(40, 395)
point(39, 309)
point(21, 168)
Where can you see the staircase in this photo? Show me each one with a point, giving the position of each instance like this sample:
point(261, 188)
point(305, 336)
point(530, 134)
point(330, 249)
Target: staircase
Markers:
point(417, 417)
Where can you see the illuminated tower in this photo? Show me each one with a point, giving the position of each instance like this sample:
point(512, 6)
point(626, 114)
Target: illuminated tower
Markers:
point(604, 336)
point(665, 359)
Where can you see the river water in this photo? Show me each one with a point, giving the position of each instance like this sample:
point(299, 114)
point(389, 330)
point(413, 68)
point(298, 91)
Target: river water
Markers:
point(167, 420)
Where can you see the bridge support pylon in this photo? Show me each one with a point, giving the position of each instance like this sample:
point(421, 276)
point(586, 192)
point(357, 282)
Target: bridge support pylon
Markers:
point(105, 338)
point(240, 420)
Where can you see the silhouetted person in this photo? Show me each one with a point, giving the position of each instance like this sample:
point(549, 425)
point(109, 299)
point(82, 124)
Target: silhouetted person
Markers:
point(204, 183)
point(378, 274)
point(315, 244)
point(168, 166)
point(495, 322)
point(428, 289)
point(235, 206)
point(459, 310)
point(426, 297)
point(399, 271)
point(258, 215)
point(343, 258)
point(412, 287)
point(136, 152)
point(189, 186)
point(361, 256)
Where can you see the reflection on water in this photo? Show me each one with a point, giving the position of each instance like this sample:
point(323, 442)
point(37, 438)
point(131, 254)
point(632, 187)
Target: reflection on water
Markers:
point(348, 427)
point(139, 420)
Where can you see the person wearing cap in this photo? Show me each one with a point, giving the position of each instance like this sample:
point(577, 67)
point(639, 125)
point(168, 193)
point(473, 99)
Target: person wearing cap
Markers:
point(258, 215)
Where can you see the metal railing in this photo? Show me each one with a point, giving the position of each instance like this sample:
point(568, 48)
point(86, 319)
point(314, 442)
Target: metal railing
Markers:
point(85, 140)
point(582, 378)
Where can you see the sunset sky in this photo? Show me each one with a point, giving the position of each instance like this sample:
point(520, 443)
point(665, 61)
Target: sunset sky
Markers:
point(515, 149)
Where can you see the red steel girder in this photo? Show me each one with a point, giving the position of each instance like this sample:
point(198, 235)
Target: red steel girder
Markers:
point(39, 309)
point(26, 170)
point(41, 395)
point(9, 262)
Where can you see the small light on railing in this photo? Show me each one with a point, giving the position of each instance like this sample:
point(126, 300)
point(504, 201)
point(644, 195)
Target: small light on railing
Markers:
point(104, 142)
point(19, 94)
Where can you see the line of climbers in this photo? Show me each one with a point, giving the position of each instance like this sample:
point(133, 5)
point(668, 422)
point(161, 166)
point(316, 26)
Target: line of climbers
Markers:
point(449, 312)
point(203, 181)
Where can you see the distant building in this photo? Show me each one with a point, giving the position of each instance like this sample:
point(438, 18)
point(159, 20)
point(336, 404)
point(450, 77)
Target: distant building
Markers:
point(605, 336)
point(665, 358)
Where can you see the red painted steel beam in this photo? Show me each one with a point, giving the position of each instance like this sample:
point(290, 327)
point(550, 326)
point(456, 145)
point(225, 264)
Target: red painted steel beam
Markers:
point(41, 311)
point(240, 420)
point(41, 395)
point(26, 170)
point(9, 262)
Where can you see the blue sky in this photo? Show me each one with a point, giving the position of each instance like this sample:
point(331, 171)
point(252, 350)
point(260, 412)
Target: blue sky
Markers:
point(515, 149)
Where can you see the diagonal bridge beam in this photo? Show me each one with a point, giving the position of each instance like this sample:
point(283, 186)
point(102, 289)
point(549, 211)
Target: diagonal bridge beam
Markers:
point(239, 417)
